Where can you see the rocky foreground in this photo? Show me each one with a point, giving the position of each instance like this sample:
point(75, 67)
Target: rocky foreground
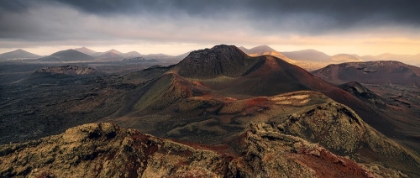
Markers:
point(107, 150)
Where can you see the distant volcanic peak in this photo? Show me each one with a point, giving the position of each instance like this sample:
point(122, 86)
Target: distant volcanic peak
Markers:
point(18, 54)
point(114, 51)
point(68, 51)
point(261, 48)
point(85, 50)
point(67, 55)
point(345, 58)
point(132, 53)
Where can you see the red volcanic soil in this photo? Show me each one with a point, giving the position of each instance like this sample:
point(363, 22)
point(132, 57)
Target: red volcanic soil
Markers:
point(268, 76)
point(329, 165)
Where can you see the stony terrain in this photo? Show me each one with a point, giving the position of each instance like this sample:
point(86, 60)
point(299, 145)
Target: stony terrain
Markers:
point(67, 70)
point(106, 150)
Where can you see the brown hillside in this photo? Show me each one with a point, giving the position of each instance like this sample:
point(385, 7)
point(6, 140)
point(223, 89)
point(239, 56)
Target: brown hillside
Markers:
point(375, 72)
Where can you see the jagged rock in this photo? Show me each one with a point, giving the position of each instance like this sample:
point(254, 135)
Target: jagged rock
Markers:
point(68, 70)
point(106, 150)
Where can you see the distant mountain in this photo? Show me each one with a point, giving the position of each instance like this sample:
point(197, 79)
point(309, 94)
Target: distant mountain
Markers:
point(408, 59)
point(339, 58)
point(265, 50)
point(138, 59)
point(384, 57)
point(109, 56)
point(115, 51)
point(86, 51)
point(69, 55)
point(373, 72)
point(308, 55)
point(165, 57)
point(132, 54)
point(18, 54)
point(112, 51)
point(157, 56)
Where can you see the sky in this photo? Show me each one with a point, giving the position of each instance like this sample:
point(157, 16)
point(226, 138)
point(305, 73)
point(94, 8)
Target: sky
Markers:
point(177, 26)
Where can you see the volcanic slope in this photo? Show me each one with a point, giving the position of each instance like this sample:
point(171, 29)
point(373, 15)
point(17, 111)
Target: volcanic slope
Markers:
point(259, 76)
point(374, 72)
point(397, 85)
point(195, 90)
point(279, 145)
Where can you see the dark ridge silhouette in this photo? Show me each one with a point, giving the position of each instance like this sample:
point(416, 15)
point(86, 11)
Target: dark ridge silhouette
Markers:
point(67, 56)
point(18, 54)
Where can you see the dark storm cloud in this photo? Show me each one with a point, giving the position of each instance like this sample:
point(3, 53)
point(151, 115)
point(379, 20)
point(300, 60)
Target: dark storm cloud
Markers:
point(37, 20)
point(344, 13)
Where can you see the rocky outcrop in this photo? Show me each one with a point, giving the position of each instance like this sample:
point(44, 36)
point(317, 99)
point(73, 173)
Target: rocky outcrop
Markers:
point(67, 70)
point(363, 93)
point(106, 150)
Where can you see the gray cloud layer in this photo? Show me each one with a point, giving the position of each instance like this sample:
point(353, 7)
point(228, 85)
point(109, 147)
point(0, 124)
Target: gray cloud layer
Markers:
point(193, 20)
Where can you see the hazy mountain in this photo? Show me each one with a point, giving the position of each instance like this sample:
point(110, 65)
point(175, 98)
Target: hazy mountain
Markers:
point(18, 54)
point(114, 51)
point(132, 54)
point(384, 57)
point(111, 51)
point(340, 58)
point(109, 56)
point(265, 50)
point(157, 56)
point(69, 55)
point(409, 59)
point(373, 72)
point(86, 51)
point(308, 55)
